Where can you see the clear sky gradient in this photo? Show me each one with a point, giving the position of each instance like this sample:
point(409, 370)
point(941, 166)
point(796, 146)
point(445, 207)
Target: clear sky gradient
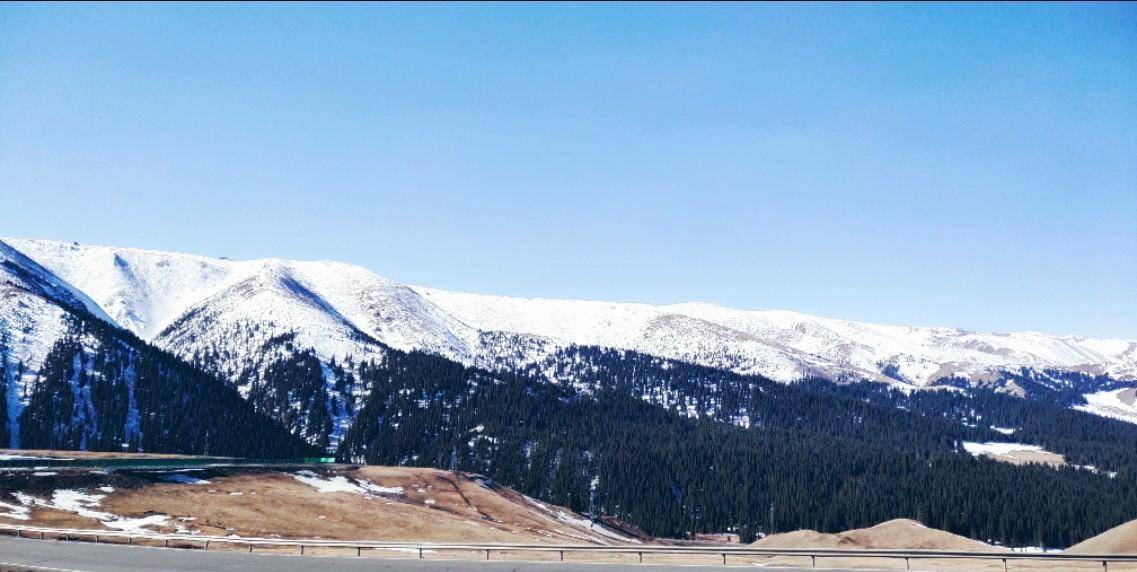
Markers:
point(963, 165)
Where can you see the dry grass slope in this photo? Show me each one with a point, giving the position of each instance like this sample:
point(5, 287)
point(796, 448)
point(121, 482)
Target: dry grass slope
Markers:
point(413, 504)
point(1117, 540)
point(894, 534)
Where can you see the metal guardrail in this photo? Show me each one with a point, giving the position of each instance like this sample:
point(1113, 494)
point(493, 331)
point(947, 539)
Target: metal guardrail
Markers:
point(204, 542)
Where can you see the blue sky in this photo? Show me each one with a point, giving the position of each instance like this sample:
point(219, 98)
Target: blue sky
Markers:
point(966, 165)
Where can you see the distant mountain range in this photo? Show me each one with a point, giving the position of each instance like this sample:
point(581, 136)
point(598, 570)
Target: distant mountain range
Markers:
point(338, 309)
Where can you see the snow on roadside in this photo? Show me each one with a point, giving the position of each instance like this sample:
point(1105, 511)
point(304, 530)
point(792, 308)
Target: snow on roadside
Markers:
point(341, 484)
point(84, 504)
point(17, 512)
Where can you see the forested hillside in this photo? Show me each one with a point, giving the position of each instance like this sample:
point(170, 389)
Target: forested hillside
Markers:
point(609, 452)
point(102, 389)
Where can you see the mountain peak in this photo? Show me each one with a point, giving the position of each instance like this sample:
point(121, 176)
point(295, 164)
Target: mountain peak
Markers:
point(147, 290)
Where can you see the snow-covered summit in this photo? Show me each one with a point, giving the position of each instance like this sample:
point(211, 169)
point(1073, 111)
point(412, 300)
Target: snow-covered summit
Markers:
point(784, 345)
point(328, 303)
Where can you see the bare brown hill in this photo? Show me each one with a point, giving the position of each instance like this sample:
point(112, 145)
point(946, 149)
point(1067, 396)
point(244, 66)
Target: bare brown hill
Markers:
point(894, 534)
point(1117, 540)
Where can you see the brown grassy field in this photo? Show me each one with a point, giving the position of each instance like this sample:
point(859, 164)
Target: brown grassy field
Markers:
point(330, 502)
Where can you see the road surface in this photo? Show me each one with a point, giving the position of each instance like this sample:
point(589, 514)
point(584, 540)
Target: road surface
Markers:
point(20, 555)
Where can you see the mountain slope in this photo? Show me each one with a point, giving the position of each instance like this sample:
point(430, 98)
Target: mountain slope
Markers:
point(786, 345)
point(292, 336)
point(69, 378)
point(145, 291)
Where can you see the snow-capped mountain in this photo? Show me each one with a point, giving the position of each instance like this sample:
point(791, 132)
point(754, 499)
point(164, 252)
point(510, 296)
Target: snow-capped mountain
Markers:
point(71, 379)
point(786, 345)
point(33, 306)
point(330, 305)
point(340, 309)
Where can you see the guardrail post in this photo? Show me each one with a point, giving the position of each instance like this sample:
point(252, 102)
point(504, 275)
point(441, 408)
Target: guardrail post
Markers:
point(641, 557)
point(302, 550)
point(487, 554)
point(250, 548)
point(1105, 565)
point(206, 545)
point(358, 551)
point(813, 561)
point(166, 543)
point(420, 552)
point(907, 565)
point(562, 556)
point(724, 559)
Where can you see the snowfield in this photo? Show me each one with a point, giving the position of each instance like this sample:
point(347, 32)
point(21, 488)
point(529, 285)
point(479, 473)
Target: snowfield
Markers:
point(1118, 404)
point(978, 449)
point(785, 345)
point(329, 304)
point(1018, 454)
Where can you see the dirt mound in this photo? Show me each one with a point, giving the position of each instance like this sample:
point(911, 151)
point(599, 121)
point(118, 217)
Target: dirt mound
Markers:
point(894, 534)
point(803, 539)
point(909, 534)
point(1117, 540)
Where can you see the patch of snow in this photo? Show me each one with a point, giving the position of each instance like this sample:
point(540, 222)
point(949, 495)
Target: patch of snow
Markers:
point(185, 479)
point(1110, 404)
point(374, 488)
point(1034, 550)
point(977, 449)
point(14, 511)
point(341, 484)
point(1096, 471)
point(138, 524)
point(84, 504)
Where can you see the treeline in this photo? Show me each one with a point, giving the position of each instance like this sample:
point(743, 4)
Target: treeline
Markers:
point(1083, 438)
point(920, 421)
point(616, 454)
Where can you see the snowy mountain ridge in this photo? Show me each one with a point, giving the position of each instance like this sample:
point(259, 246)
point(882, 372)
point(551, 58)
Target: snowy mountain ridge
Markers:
point(341, 309)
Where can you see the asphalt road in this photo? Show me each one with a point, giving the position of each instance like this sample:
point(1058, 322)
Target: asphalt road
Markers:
point(56, 556)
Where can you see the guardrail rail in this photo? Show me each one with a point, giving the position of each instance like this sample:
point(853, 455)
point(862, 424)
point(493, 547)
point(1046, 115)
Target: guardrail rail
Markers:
point(487, 550)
